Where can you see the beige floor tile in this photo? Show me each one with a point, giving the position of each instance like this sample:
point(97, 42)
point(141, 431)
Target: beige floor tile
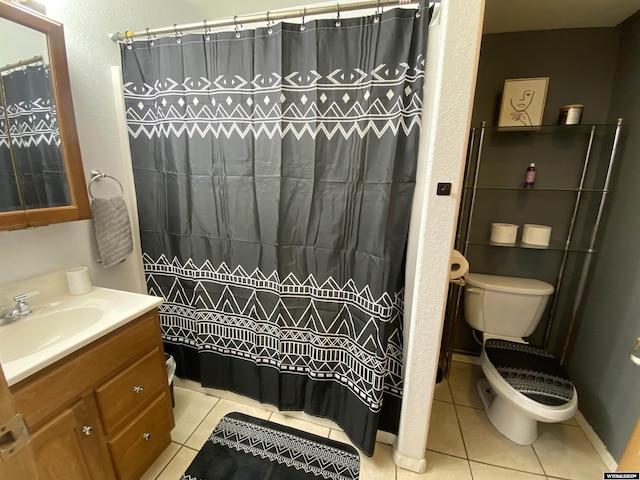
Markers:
point(565, 451)
point(223, 394)
point(191, 385)
point(340, 436)
point(485, 444)
point(463, 383)
point(442, 391)
point(378, 467)
point(444, 432)
point(178, 465)
point(191, 408)
point(483, 471)
point(439, 467)
point(322, 422)
point(571, 421)
point(202, 433)
point(308, 427)
point(161, 462)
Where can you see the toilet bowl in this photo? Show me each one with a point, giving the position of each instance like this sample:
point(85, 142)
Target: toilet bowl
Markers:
point(524, 384)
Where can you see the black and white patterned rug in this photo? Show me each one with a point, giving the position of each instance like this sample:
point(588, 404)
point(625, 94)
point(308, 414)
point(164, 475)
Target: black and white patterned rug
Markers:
point(247, 448)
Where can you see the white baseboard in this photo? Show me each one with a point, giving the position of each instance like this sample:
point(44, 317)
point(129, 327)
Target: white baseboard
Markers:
point(600, 447)
point(462, 358)
point(417, 465)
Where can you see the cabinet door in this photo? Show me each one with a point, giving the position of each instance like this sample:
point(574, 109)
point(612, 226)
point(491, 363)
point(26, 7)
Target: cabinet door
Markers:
point(21, 464)
point(72, 445)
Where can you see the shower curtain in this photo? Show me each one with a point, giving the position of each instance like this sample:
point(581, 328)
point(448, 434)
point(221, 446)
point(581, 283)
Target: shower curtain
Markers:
point(9, 196)
point(35, 136)
point(274, 172)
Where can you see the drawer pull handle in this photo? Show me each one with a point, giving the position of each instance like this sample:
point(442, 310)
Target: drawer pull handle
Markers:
point(87, 430)
point(138, 389)
point(146, 436)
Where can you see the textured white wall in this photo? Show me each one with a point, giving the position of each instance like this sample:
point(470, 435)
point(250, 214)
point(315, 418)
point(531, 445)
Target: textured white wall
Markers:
point(452, 61)
point(18, 42)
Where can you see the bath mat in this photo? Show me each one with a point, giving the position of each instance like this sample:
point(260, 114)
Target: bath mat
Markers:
point(247, 448)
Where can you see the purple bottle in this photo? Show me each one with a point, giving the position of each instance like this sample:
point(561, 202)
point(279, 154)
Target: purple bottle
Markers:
point(530, 176)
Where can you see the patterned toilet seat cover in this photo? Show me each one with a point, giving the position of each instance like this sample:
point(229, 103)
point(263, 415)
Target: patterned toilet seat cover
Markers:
point(532, 371)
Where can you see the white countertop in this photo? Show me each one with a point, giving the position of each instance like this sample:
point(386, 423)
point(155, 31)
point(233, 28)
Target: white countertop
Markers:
point(110, 309)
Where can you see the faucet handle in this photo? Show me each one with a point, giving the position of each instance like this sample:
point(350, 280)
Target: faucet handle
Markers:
point(21, 305)
point(23, 296)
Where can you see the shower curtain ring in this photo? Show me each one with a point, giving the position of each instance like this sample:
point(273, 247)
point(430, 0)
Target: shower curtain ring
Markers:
point(304, 14)
point(129, 39)
point(338, 22)
point(235, 23)
point(376, 18)
point(150, 38)
point(207, 31)
point(178, 33)
point(269, 25)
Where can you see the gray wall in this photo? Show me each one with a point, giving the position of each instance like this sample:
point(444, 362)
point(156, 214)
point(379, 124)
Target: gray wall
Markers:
point(580, 64)
point(608, 383)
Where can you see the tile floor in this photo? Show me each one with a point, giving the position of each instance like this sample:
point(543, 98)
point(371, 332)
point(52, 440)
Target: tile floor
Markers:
point(462, 444)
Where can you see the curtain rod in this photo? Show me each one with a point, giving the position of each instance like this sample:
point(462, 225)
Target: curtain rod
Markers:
point(261, 17)
point(22, 63)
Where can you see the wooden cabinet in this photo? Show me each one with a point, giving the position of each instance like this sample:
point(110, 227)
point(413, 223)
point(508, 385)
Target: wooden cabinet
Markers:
point(72, 445)
point(103, 412)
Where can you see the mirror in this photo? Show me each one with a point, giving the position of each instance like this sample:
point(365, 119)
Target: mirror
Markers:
point(41, 174)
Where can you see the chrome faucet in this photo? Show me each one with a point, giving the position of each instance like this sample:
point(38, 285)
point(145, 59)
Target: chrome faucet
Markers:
point(22, 309)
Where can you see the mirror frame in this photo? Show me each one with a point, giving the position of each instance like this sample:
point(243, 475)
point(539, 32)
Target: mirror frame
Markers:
point(79, 209)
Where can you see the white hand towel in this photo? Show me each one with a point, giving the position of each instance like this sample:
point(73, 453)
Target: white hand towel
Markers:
point(113, 230)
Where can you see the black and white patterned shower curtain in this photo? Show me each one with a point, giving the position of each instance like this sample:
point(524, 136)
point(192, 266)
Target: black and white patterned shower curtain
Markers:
point(274, 175)
point(35, 137)
point(9, 196)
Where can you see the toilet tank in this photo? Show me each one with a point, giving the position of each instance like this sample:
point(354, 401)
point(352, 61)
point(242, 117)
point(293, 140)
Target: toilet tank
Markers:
point(506, 306)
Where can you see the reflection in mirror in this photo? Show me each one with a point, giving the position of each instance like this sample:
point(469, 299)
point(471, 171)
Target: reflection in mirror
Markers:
point(40, 123)
point(9, 195)
point(31, 123)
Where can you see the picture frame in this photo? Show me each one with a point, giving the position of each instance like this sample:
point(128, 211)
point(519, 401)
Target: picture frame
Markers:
point(523, 101)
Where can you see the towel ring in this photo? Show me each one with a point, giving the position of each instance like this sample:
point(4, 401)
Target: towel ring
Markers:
point(96, 175)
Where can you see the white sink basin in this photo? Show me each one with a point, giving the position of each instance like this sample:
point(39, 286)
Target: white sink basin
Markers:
point(31, 334)
point(61, 323)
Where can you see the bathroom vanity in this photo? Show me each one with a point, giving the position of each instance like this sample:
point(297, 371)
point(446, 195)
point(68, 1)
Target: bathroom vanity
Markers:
point(104, 412)
point(97, 401)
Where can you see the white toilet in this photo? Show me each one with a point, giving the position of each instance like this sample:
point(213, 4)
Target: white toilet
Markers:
point(525, 384)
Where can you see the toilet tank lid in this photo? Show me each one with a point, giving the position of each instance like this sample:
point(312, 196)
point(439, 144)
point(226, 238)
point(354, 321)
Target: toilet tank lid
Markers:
point(524, 286)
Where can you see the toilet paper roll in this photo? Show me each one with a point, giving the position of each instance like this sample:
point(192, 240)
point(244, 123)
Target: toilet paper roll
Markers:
point(537, 235)
point(78, 280)
point(504, 233)
point(459, 266)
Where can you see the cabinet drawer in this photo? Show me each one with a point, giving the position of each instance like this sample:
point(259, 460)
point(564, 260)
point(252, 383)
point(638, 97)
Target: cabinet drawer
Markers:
point(137, 446)
point(129, 392)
